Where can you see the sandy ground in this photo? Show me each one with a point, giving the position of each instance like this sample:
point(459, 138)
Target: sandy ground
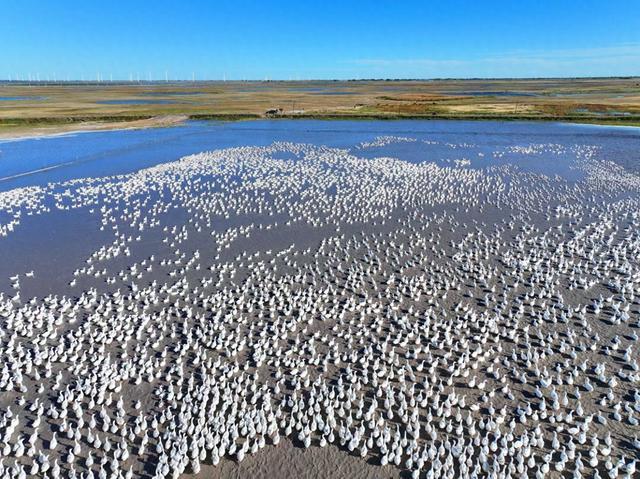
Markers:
point(287, 460)
point(55, 130)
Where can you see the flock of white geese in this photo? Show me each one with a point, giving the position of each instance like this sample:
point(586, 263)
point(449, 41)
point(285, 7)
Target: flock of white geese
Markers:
point(448, 321)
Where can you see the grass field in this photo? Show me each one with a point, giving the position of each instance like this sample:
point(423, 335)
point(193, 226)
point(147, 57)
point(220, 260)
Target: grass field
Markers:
point(37, 108)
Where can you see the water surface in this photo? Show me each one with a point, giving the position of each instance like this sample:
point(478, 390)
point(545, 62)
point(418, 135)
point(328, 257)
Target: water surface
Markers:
point(136, 102)
point(496, 93)
point(22, 98)
point(172, 93)
point(538, 147)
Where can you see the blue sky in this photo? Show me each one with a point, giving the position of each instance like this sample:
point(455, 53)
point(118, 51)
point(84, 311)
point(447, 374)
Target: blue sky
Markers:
point(325, 39)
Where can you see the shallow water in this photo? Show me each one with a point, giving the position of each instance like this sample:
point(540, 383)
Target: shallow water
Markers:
point(321, 91)
point(136, 102)
point(22, 98)
point(340, 263)
point(172, 93)
point(498, 93)
point(40, 161)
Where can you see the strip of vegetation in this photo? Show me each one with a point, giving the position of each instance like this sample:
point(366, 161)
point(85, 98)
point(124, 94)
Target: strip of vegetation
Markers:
point(55, 121)
point(69, 119)
point(224, 116)
point(627, 120)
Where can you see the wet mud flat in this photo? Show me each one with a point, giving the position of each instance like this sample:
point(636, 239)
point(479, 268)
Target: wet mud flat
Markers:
point(319, 311)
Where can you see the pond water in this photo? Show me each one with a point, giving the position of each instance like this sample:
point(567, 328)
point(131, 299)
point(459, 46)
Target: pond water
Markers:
point(172, 93)
point(332, 92)
point(136, 102)
point(22, 98)
point(539, 147)
point(321, 91)
point(495, 93)
point(310, 89)
point(602, 113)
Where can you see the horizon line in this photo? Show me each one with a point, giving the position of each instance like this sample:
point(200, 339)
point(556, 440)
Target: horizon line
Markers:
point(291, 80)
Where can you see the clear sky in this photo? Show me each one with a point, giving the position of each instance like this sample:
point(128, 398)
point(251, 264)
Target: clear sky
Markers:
point(243, 39)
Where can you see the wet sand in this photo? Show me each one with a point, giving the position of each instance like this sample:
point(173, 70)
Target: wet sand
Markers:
point(289, 460)
point(372, 316)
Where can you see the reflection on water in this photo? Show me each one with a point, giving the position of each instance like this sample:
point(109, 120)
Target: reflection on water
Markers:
point(172, 93)
point(22, 98)
point(539, 147)
point(136, 102)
